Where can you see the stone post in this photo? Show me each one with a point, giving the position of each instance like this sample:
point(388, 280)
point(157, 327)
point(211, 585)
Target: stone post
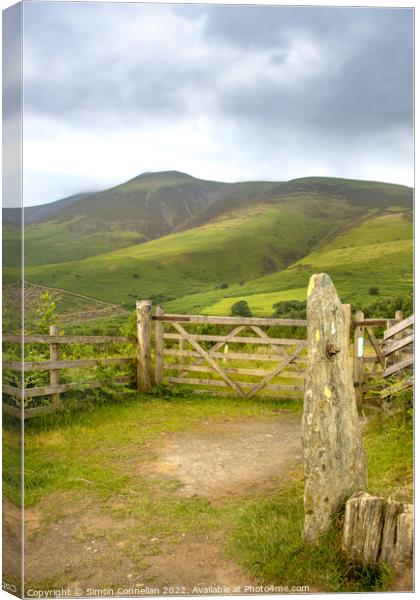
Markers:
point(334, 460)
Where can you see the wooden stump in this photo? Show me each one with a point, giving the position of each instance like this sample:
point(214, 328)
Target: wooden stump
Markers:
point(334, 461)
point(378, 531)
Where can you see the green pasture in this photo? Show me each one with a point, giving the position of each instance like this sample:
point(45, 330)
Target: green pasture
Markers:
point(233, 249)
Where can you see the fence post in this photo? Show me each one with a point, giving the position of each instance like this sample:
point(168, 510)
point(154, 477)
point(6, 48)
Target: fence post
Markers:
point(347, 322)
point(54, 373)
point(398, 354)
point(358, 350)
point(144, 339)
point(159, 329)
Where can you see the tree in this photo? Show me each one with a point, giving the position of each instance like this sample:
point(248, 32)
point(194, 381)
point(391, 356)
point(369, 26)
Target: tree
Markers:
point(240, 309)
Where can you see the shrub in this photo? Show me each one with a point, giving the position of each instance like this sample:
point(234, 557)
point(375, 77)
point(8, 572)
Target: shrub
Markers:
point(223, 286)
point(374, 290)
point(290, 309)
point(387, 307)
point(241, 309)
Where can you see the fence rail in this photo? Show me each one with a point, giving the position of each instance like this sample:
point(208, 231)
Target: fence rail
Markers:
point(391, 354)
point(247, 360)
point(183, 354)
point(54, 366)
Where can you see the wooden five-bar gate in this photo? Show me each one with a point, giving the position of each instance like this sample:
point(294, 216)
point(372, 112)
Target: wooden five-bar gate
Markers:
point(242, 356)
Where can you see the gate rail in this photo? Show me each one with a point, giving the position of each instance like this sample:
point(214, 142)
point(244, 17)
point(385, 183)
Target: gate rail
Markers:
point(240, 360)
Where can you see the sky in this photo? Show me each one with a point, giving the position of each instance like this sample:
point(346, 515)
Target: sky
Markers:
point(226, 93)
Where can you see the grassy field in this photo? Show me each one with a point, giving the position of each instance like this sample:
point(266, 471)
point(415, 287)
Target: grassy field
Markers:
point(93, 465)
point(197, 246)
point(179, 271)
point(222, 252)
point(378, 252)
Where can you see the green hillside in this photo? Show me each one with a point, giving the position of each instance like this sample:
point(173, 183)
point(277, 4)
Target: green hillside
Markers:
point(258, 241)
point(376, 253)
point(153, 204)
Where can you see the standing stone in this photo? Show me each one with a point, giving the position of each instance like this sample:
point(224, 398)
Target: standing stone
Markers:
point(334, 460)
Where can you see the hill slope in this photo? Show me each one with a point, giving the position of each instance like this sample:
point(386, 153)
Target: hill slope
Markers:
point(43, 212)
point(153, 204)
point(249, 240)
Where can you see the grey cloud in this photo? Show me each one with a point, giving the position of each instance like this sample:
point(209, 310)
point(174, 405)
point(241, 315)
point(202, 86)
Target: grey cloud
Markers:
point(76, 75)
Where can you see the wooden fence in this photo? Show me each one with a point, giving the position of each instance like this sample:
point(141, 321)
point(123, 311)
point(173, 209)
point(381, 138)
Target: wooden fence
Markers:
point(219, 356)
point(54, 366)
point(386, 355)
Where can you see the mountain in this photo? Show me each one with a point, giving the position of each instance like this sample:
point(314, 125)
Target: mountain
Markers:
point(152, 204)
point(43, 212)
point(224, 242)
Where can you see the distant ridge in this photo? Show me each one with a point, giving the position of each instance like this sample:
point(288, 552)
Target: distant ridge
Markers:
point(41, 212)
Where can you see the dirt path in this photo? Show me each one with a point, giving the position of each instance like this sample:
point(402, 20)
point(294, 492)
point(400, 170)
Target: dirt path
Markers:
point(93, 545)
point(230, 458)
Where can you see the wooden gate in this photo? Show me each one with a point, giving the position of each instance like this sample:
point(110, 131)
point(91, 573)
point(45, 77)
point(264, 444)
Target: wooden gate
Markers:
point(225, 355)
point(383, 362)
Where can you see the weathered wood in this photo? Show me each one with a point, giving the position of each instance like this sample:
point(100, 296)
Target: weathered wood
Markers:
point(237, 370)
point(214, 349)
point(159, 346)
point(265, 393)
point(244, 384)
point(225, 339)
point(347, 321)
point(358, 360)
point(378, 531)
point(54, 373)
point(237, 356)
point(370, 359)
point(400, 326)
point(68, 339)
point(363, 522)
point(376, 345)
point(398, 387)
point(403, 364)
point(275, 372)
point(49, 390)
point(11, 390)
point(208, 358)
point(191, 381)
point(398, 336)
point(246, 321)
point(276, 349)
point(334, 460)
point(144, 341)
point(372, 322)
point(393, 346)
point(80, 363)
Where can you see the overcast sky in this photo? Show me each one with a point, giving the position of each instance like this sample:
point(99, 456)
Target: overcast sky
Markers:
point(225, 93)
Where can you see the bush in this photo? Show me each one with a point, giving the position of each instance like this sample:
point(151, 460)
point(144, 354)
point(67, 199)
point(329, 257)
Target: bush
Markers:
point(290, 309)
point(387, 307)
point(223, 286)
point(241, 309)
point(374, 290)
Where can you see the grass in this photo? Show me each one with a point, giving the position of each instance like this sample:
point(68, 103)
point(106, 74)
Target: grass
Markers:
point(268, 537)
point(95, 458)
point(259, 304)
point(197, 260)
point(377, 252)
